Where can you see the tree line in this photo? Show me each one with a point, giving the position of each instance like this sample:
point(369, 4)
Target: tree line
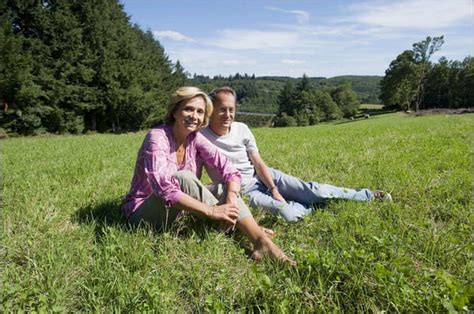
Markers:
point(413, 82)
point(305, 104)
point(71, 66)
point(75, 66)
point(260, 94)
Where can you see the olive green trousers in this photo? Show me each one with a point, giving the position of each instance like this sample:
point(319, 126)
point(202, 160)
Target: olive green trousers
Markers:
point(153, 211)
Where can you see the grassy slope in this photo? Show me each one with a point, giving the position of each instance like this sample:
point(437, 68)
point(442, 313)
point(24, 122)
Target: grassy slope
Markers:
point(65, 246)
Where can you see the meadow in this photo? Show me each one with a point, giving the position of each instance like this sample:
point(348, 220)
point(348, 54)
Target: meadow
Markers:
point(66, 247)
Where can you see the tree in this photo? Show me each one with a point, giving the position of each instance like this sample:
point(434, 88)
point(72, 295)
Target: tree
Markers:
point(179, 74)
point(438, 88)
point(346, 99)
point(286, 99)
point(284, 120)
point(423, 51)
point(467, 82)
point(405, 79)
point(398, 87)
point(69, 66)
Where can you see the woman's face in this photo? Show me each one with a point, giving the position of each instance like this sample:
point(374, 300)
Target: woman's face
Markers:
point(190, 115)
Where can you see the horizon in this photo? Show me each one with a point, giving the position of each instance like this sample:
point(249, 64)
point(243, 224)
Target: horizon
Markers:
point(289, 77)
point(289, 39)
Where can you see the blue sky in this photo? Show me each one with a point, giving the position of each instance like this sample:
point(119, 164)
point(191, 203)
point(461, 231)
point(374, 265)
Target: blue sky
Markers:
point(289, 38)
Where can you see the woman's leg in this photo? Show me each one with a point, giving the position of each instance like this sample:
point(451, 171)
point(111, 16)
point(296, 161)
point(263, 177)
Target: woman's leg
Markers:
point(263, 245)
point(154, 211)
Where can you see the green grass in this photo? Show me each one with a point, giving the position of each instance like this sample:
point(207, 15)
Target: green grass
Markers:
point(371, 106)
point(65, 246)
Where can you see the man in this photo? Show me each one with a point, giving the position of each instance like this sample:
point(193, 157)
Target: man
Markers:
point(271, 189)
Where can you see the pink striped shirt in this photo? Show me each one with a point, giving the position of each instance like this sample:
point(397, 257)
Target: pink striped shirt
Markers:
point(156, 164)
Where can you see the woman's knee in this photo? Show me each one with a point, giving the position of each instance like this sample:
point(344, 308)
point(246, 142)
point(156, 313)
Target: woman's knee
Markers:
point(185, 176)
point(244, 211)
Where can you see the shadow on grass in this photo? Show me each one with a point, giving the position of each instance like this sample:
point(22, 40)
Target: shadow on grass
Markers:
point(102, 215)
point(109, 214)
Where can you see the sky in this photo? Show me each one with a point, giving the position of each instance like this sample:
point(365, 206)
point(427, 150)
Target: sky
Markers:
point(321, 38)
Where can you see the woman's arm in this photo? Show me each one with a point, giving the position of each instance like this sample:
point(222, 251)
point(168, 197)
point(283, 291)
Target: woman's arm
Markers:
point(212, 157)
point(226, 212)
point(232, 190)
point(167, 187)
point(264, 175)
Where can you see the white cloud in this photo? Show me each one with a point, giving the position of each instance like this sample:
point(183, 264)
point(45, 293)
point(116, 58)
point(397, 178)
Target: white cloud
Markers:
point(362, 39)
point(291, 61)
point(238, 62)
point(172, 35)
point(413, 14)
point(300, 15)
point(209, 59)
point(246, 39)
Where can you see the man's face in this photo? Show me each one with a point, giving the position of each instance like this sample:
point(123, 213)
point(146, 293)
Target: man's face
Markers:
point(224, 111)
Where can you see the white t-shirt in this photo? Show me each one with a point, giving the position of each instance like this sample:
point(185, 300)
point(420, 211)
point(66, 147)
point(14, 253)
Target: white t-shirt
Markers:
point(237, 145)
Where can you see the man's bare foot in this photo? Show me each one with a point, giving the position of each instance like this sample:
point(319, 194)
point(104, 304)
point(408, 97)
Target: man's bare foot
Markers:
point(269, 232)
point(266, 248)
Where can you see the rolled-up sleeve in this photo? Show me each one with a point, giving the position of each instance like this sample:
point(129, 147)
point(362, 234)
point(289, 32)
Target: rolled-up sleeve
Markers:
point(164, 185)
point(213, 158)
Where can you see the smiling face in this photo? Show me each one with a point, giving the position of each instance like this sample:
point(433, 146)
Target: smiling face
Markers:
point(223, 114)
point(190, 115)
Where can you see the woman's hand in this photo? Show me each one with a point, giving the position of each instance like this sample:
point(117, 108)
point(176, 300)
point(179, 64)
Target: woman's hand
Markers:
point(227, 213)
point(276, 195)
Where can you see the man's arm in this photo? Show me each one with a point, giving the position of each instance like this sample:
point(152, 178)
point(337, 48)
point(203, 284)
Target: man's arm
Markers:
point(264, 175)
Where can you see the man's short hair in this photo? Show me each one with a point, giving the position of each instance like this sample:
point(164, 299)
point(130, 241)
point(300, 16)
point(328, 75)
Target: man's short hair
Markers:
point(224, 89)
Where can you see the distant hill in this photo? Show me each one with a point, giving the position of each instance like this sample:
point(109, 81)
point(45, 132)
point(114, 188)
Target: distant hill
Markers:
point(367, 87)
point(259, 94)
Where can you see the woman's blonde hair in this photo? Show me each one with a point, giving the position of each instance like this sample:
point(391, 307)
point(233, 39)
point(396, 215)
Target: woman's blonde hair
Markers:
point(183, 95)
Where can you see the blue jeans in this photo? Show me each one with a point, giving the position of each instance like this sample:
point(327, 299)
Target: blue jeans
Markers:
point(300, 195)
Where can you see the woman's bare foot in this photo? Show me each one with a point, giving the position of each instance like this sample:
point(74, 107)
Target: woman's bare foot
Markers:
point(269, 232)
point(266, 248)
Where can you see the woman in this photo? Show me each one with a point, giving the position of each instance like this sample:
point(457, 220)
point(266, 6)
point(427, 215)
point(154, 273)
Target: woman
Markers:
point(165, 182)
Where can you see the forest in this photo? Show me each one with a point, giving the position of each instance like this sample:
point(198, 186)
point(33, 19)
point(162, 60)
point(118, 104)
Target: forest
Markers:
point(80, 66)
point(76, 66)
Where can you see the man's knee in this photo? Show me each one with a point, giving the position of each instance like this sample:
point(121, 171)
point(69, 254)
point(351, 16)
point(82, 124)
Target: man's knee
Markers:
point(276, 174)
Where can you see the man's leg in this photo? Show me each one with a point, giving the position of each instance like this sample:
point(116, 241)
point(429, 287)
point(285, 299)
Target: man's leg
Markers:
point(290, 211)
point(295, 189)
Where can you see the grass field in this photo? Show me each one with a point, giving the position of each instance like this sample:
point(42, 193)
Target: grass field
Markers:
point(65, 246)
point(371, 106)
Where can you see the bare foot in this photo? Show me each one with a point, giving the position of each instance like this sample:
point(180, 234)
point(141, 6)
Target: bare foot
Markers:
point(269, 232)
point(266, 248)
